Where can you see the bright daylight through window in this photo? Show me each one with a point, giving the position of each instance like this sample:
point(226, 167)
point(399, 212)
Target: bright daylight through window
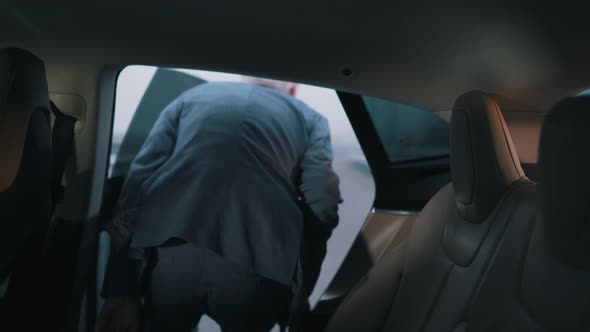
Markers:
point(142, 93)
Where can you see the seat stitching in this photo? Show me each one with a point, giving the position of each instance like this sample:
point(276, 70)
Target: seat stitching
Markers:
point(505, 134)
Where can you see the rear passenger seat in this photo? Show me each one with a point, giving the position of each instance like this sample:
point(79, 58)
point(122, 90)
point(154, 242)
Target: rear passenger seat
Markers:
point(25, 182)
point(540, 277)
point(427, 283)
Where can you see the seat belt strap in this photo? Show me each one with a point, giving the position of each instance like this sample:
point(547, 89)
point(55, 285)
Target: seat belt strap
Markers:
point(62, 141)
point(63, 145)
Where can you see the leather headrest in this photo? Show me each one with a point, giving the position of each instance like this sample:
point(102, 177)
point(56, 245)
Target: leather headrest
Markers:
point(564, 191)
point(484, 162)
point(23, 89)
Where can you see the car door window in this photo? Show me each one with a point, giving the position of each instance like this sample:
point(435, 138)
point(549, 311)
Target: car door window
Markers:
point(408, 133)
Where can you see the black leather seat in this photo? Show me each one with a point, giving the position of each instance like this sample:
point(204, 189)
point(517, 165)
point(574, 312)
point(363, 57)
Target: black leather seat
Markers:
point(540, 277)
point(25, 164)
point(427, 282)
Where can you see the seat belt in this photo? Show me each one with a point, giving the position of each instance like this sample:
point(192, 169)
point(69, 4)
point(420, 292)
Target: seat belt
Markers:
point(62, 142)
point(63, 145)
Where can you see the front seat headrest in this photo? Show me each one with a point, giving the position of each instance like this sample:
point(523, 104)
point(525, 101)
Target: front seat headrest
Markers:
point(23, 89)
point(564, 195)
point(484, 162)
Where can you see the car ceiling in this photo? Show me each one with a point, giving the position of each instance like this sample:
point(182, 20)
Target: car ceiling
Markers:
point(423, 53)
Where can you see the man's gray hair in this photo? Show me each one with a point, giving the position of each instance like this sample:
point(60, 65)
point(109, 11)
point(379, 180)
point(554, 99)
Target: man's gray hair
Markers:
point(273, 84)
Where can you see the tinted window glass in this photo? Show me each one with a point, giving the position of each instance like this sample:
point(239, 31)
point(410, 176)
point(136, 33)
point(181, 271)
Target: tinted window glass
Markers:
point(408, 133)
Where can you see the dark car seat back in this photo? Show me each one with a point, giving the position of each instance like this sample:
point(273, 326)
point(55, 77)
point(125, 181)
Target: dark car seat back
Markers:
point(540, 277)
point(564, 194)
point(25, 153)
point(427, 283)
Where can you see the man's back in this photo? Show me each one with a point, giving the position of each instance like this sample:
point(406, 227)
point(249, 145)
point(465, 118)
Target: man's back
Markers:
point(221, 169)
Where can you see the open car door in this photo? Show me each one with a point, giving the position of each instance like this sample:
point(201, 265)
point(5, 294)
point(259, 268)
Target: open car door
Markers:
point(407, 149)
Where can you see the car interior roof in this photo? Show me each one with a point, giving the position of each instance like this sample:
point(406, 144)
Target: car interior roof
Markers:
point(424, 54)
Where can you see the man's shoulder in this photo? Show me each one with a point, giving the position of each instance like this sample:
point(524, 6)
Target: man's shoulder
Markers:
point(312, 117)
point(264, 93)
point(215, 95)
point(245, 93)
point(216, 88)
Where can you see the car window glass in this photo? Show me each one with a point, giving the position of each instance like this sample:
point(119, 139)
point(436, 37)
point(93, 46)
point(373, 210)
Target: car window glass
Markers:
point(408, 133)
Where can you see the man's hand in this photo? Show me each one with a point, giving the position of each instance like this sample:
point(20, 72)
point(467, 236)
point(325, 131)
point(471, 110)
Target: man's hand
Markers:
point(120, 314)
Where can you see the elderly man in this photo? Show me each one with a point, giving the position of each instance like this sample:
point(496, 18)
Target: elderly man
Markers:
point(210, 218)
